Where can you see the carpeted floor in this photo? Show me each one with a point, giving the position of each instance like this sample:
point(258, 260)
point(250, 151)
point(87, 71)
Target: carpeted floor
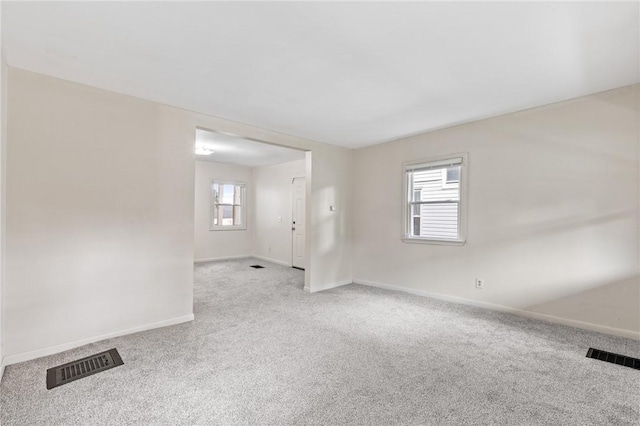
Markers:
point(263, 352)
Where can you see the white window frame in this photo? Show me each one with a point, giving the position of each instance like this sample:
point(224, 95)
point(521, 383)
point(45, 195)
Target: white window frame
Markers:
point(407, 215)
point(212, 204)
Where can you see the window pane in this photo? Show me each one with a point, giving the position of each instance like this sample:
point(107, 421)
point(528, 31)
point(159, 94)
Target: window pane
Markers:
point(227, 212)
point(439, 221)
point(216, 193)
point(416, 225)
point(227, 215)
point(237, 215)
point(237, 198)
point(453, 174)
point(226, 197)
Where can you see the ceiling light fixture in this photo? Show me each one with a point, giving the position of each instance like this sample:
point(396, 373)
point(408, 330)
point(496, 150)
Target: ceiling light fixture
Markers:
point(201, 150)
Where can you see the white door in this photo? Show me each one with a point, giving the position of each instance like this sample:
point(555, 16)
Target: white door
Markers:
point(298, 225)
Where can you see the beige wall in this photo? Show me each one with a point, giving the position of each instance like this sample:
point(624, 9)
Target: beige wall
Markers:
point(553, 213)
point(273, 207)
point(99, 214)
point(100, 217)
point(3, 144)
point(210, 245)
point(331, 231)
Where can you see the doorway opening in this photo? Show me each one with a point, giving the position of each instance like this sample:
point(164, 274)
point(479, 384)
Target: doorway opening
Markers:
point(251, 200)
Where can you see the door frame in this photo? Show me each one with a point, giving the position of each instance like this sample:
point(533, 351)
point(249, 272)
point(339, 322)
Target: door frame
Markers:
point(293, 207)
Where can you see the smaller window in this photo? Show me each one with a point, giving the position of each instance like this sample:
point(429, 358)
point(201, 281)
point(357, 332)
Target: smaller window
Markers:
point(453, 174)
point(228, 210)
point(451, 177)
point(435, 207)
point(415, 214)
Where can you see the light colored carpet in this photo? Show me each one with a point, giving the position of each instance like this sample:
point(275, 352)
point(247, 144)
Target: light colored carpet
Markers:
point(263, 352)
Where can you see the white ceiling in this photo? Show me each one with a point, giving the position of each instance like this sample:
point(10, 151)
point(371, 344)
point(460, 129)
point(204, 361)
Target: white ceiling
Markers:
point(350, 74)
point(233, 149)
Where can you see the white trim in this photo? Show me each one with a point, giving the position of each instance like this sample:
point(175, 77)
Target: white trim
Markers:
point(38, 353)
point(440, 162)
point(215, 259)
point(292, 238)
point(621, 332)
point(1, 369)
point(268, 259)
point(419, 240)
point(329, 286)
point(244, 256)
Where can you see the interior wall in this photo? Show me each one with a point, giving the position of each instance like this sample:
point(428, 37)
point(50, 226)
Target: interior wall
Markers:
point(3, 140)
point(273, 207)
point(212, 245)
point(552, 220)
point(100, 213)
point(331, 230)
point(100, 191)
point(3, 181)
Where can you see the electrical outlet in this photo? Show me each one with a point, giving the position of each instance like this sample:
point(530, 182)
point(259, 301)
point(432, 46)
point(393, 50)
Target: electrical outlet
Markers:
point(479, 283)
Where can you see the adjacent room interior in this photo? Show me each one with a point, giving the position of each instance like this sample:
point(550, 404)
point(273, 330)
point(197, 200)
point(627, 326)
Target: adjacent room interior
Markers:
point(320, 213)
point(250, 200)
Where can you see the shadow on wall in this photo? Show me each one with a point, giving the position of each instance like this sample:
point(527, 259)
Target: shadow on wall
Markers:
point(327, 221)
point(588, 292)
point(553, 213)
point(332, 227)
point(539, 278)
point(599, 298)
point(577, 220)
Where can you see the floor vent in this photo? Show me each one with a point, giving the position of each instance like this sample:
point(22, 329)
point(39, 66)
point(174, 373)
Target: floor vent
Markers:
point(257, 266)
point(66, 373)
point(626, 361)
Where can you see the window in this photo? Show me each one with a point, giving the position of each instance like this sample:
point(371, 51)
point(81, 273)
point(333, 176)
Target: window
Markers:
point(228, 207)
point(435, 208)
point(415, 213)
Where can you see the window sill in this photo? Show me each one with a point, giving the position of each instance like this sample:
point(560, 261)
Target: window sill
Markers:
point(433, 242)
point(228, 228)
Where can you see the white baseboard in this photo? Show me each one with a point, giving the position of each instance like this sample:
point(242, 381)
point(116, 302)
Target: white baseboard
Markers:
point(244, 256)
point(268, 259)
point(2, 364)
point(38, 353)
point(330, 286)
point(621, 332)
point(214, 259)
